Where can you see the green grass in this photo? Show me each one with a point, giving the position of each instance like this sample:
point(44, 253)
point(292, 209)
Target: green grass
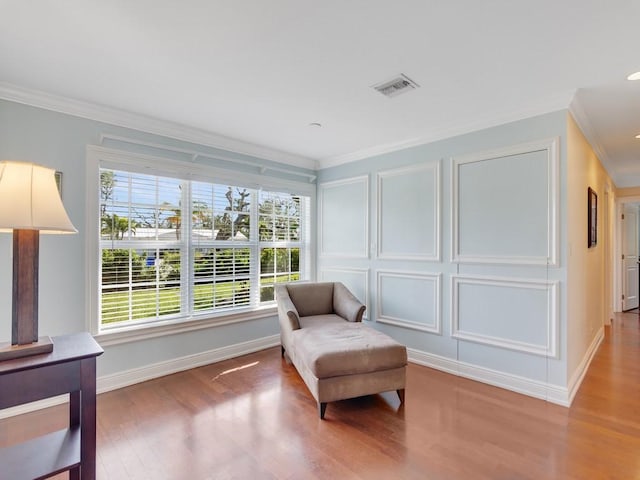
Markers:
point(115, 305)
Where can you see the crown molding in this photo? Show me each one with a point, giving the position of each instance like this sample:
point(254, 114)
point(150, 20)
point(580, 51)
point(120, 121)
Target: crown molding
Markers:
point(177, 131)
point(123, 118)
point(558, 102)
point(584, 124)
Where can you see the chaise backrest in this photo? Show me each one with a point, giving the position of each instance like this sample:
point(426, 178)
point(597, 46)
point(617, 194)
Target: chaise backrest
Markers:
point(312, 298)
point(296, 300)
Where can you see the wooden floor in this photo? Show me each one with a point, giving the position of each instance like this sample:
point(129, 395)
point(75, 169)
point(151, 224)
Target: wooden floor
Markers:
point(252, 418)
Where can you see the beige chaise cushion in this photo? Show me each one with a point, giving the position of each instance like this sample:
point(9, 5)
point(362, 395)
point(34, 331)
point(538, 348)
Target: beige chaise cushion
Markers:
point(306, 322)
point(334, 349)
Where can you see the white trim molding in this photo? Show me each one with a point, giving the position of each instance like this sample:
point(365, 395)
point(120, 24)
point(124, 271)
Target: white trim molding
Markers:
point(118, 380)
point(436, 188)
point(141, 332)
point(194, 155)
point(322, 188)
point(151, 164)
point(578, 375)
point(582, 120)
point(549, 349)
point(143, 123)
point(434, 278)
point(515, 383)
point(552, 149)
point(557, 102)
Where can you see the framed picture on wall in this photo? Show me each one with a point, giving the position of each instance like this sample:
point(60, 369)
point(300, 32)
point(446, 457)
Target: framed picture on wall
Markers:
point(592, 216)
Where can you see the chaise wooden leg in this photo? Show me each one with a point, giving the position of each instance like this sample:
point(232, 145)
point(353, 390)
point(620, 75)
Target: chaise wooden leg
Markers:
point(401, 395)
point(282, 350)
point(322, 407)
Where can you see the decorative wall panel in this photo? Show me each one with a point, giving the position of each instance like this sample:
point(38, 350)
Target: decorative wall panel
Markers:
point(410, 300)
point(518, 314)
point(344, 218)
point(409, 213)
point(504, 205)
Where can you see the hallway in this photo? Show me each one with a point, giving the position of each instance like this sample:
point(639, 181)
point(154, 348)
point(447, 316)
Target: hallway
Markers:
point(604, 420)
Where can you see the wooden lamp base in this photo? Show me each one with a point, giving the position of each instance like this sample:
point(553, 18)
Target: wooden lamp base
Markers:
point(10, 352)
point(24, 325)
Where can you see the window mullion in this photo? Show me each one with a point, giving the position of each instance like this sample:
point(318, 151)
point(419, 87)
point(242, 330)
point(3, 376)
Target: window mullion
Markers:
point(304, 238)
point(254, 252)
point(187, 271)
point(157, 253)
point(130, 287)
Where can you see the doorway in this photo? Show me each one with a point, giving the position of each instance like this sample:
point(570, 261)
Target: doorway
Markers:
point(626, 257)
point(629, 259)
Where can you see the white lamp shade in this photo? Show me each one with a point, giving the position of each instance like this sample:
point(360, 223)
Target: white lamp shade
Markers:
point(29, 199)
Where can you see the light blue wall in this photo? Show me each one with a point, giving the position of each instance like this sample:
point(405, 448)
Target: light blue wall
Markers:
point(533, 367)
point(59, 141)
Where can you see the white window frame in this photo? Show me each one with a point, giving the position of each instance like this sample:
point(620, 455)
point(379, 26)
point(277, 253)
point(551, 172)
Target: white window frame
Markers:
point(101, 157)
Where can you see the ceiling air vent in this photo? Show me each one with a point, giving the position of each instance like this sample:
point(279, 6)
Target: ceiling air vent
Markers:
point(396, 86)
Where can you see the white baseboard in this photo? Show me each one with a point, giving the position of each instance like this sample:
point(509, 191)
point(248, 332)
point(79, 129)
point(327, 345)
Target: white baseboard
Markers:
point(578, 376)
point(430, 360)
point(515, 383)
point(114, 381)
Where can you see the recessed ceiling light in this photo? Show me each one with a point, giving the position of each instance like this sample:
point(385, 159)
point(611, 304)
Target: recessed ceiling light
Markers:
point(315, 124)
point(634, 76)
point(638, 136)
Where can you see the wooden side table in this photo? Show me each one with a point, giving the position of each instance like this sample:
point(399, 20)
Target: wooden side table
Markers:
point(70, 368)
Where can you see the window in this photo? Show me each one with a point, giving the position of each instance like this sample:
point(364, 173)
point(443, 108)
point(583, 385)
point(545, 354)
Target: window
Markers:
point(173, 249)
point(279, 231)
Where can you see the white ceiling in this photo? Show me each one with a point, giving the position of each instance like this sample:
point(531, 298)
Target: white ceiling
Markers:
point(260, 71)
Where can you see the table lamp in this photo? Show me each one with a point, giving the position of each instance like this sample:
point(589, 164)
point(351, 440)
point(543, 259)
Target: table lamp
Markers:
point(30, 204)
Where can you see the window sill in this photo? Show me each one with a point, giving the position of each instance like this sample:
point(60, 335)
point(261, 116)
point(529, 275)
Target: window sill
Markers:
point(147, 331)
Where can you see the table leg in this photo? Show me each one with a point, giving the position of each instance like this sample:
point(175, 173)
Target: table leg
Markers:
point(88, 419)
point(74, 420)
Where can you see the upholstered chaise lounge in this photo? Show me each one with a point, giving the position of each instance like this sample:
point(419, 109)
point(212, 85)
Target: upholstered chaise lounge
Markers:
point(336, 355)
